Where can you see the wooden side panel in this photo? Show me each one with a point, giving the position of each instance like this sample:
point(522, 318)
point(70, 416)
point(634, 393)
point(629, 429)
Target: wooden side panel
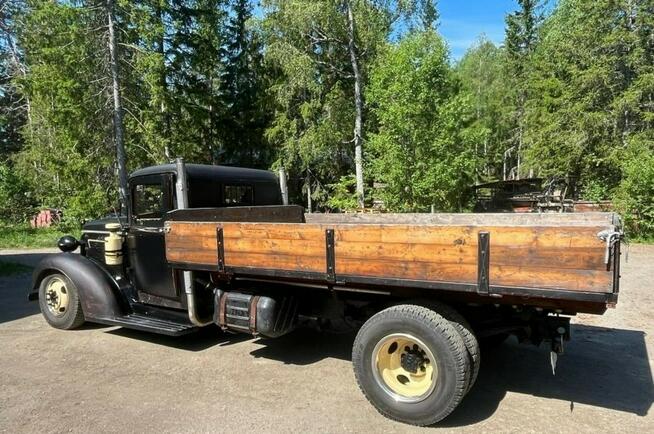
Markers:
point(258, 245)
point(468, 219)
point(556, 257)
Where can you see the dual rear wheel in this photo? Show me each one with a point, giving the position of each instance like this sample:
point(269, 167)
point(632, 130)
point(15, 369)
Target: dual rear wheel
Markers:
point(414, 363)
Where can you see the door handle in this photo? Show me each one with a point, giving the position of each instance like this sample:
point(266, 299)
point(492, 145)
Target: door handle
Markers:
point(149, 230)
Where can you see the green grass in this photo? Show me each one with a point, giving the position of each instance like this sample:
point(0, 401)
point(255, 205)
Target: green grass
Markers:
point(25, 237)
point(641, 240)
point(12, 268)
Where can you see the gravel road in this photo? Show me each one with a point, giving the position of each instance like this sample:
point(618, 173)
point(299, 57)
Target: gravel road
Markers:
point(108, 379)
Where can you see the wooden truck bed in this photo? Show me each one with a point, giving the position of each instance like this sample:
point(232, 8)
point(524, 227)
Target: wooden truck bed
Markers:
point(536, 256)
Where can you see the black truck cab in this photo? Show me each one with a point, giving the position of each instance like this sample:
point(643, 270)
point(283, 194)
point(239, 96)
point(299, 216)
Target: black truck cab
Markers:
point(144, 281)
point(152, 194)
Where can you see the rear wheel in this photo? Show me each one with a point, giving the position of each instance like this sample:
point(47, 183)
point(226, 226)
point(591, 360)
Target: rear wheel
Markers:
point(59, 302)
point(465, 331)
point(411, 364)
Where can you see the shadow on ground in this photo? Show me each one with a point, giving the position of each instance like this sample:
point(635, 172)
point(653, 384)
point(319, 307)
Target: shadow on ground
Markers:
point(14, 288)
point(602, 367)
point(201, 340)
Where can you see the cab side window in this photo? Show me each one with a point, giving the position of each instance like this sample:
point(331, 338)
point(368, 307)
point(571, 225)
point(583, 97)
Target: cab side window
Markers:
point(150, 199)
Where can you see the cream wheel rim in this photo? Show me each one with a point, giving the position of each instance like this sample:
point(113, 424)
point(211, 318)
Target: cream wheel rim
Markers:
point(57, 297)
point(404, 367)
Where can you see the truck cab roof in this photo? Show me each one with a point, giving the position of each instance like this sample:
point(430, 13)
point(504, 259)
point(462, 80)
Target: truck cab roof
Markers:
point(210, 172)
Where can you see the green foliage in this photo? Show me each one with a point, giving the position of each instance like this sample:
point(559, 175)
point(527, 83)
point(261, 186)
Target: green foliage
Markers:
point(481, 71)
point(191, 76)
point(635, 195)
point(67, 160)
point(14, 196)
point(313, 85)
point(567, 94)
point(314, 111)
point(423, 152)
point(343, 194)
point(594, 190)
point(590, 83)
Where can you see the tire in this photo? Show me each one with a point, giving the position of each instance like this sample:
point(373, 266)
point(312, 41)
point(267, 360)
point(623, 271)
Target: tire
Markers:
point(385, 338)
point(465, 331)
point(54, 288)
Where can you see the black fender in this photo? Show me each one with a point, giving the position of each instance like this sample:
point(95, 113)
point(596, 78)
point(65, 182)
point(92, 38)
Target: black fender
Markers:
point(98, 291)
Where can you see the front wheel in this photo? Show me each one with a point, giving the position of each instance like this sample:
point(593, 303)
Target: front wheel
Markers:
point(411, 364)
point(59, 302)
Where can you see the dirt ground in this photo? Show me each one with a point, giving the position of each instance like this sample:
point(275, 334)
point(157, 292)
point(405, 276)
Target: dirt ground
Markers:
point(108, 379)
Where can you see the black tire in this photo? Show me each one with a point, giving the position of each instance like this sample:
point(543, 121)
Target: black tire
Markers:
point(441, 339)
point(465, 331)
point(70, 318)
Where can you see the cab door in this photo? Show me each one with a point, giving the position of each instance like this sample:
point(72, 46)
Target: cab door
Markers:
point(152, 198)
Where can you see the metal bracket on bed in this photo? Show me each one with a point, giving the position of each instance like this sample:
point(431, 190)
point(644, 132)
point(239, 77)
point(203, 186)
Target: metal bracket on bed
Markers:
point(331, 258)
point(483, 259)
point(220, 248)
point(611, 237)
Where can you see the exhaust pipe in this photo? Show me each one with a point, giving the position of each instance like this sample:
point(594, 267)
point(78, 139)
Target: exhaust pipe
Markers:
point(181, 192)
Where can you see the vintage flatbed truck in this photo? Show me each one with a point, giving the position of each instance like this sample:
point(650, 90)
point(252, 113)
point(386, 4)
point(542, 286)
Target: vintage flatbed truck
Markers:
point(208, 245)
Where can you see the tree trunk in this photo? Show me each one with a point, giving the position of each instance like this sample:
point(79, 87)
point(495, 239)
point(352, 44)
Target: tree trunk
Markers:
point(309, 201)
point(119, 136)
point(163, 110)
point(358, 105)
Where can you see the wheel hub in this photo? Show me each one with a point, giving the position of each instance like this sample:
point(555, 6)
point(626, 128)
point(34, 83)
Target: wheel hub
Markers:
point(413, 360)
point(404, 367)
point(56, 297)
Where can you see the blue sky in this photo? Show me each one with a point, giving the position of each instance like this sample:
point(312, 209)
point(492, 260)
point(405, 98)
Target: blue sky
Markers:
point(462, 21)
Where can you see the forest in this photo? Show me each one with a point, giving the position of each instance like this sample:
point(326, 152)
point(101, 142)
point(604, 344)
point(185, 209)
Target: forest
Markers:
point(359, 100)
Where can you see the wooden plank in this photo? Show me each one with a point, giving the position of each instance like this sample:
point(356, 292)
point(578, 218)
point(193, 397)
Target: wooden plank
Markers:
point(276, 261)
point(251, 245)
point(468, 219)
point(574, 280)
point(536, 236)
point(583, 258)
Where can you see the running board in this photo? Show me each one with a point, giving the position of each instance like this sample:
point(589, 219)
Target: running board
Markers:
point(148, 324)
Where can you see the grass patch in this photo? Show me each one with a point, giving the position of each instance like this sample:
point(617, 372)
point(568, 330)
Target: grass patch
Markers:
point(26, 237)
point(641, 240)
point(12, 268)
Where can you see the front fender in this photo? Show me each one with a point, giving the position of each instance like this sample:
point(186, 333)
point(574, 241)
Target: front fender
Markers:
point(98, 292)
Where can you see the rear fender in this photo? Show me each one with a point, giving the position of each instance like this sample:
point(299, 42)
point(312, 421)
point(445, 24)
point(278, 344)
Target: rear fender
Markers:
point(98, 292)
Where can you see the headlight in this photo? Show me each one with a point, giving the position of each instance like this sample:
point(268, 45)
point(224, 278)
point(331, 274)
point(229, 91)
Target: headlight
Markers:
point(67, 243)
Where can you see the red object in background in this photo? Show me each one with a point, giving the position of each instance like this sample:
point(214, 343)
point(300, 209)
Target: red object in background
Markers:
point(46, 218)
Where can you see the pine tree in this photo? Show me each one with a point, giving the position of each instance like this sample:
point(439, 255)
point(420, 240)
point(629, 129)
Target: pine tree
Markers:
point(245, 117)
point(14, 108)
point(481, 71)
point(590, 90)
point(521, 38)
point(69, 158)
